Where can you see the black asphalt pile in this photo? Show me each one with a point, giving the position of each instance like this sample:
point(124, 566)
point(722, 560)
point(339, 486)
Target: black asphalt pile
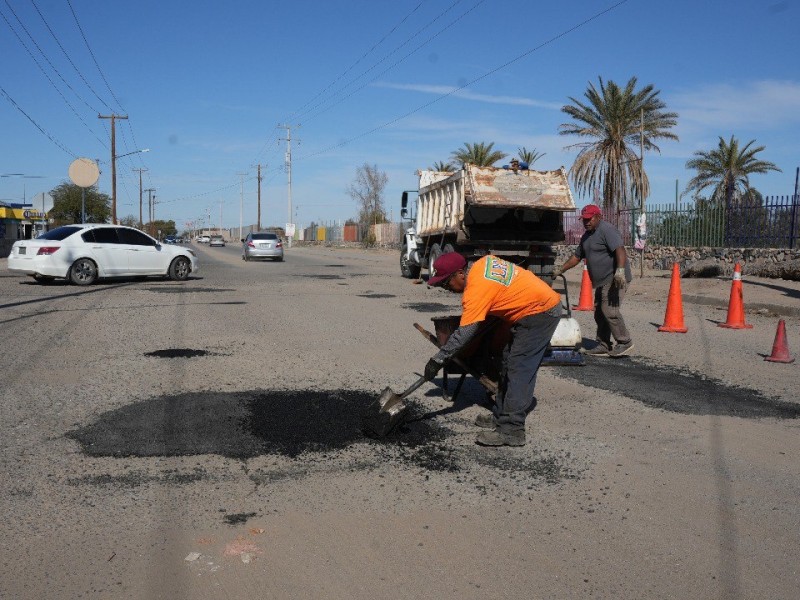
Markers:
point(677, 391)
point(242, 425)
point(432, 307)
point(376, 296)
point(177, 353)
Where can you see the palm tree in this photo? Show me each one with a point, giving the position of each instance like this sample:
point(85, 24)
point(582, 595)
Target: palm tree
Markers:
point(479, 154)
point(727, 170)
point(613, 118)
point(529, 156)
point(443, 166)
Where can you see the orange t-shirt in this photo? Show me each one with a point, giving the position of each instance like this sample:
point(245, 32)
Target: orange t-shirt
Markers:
point(499, 288)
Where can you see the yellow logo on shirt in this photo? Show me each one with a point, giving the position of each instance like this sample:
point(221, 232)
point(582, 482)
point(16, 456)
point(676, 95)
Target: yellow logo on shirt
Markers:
point(499, 270)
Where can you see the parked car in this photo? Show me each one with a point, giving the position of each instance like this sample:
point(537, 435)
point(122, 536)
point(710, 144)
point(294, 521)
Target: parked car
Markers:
point(83, 253)
point(204, 239)
point(170, 239)
point(217, 240)
point(262, 245)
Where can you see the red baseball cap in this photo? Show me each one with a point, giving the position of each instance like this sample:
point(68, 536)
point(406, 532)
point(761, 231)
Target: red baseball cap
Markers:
point(590, 210)
point(444, 266)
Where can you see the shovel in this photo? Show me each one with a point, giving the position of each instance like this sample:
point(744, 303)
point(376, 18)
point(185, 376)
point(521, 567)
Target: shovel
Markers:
point(387, 412)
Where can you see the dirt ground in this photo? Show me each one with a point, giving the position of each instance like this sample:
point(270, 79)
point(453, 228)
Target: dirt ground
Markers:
point(202, 440)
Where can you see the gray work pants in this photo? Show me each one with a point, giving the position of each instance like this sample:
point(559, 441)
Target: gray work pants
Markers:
point(607, 303)
point(521, 359)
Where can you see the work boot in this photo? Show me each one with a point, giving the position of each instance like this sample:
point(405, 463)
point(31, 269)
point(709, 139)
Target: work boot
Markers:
point(485, 421)
point(500, 438)
point(621, 350)
point(599, 350)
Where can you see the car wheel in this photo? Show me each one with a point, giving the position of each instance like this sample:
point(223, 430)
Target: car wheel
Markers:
point(279, 259)
point(83, 272)
point(179, 269)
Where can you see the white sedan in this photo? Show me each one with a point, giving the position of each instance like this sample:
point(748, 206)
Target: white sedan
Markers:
point(83, 253)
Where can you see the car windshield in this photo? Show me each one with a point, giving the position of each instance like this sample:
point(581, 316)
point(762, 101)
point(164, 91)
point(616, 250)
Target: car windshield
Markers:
point(59, 233)
point(265, 236)
point(216, 237)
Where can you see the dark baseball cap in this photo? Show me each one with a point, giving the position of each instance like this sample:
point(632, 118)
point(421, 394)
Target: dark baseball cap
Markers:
point(445, 266)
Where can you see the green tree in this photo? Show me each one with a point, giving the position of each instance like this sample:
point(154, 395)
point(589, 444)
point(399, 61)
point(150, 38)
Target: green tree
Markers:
point(130, 221)
point(67, 204)
point(529, 156)
point(165, 227)
point(443, 166)
point(612, 118)
point(727, 169)
point(480, 154)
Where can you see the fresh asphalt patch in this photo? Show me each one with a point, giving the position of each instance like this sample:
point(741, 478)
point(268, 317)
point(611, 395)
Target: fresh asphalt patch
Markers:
point(180, 289)
point(312, 428)
point(677, 391)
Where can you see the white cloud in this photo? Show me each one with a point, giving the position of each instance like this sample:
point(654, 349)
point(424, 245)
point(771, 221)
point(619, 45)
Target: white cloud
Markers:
point(442, 90)
point(751, 105)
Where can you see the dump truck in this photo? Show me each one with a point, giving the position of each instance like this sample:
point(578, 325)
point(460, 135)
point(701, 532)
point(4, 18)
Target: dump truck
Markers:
point(512, 212)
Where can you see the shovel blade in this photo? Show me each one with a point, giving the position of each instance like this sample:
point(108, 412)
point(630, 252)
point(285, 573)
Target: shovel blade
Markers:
point(387, 412)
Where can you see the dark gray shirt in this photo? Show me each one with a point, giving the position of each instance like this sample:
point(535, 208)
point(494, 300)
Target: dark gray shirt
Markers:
point(598, 247)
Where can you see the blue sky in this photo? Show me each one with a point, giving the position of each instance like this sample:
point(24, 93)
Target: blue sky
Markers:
point(396, 84)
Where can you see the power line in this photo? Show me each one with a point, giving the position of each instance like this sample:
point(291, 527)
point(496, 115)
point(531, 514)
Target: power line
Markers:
point(69, 59)
point(362, 57)
point(44, 72)
point(466, 85)
point(89, 48)
point(387, 56)
point(35, 124)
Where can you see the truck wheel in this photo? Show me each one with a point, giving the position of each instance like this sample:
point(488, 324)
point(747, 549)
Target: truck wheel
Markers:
point(407, 269)
point(448, 248)
point(436, 252)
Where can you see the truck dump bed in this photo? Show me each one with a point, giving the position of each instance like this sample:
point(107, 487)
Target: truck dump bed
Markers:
point(488, 203)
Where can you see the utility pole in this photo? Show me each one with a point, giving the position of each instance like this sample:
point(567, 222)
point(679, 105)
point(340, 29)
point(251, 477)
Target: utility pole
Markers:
point(258, 218)
point(140, 196)
point(220, 215)
point(113, 118)
point(288, 139)
point(150, 209)
point(241, 202)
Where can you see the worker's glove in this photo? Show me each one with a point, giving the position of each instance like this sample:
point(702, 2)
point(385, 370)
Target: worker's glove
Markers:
point(557, 271)
point(619, 279)
point(431, 369)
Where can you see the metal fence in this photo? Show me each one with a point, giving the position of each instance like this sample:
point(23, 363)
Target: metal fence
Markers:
point(770, 222)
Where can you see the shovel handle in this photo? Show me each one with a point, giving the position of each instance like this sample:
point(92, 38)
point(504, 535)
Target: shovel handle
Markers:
point(483, 379)
point(413, 387)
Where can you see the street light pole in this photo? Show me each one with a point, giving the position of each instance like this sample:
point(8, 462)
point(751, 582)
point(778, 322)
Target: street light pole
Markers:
point(140, 196)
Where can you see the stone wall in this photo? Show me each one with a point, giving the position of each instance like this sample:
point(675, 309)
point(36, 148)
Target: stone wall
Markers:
point(778, 263)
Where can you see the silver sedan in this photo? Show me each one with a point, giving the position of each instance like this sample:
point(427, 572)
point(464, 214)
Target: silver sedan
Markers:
point(262, 245)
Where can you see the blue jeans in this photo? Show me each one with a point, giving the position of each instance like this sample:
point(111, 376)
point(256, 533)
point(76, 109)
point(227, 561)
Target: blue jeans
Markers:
point(521, 359)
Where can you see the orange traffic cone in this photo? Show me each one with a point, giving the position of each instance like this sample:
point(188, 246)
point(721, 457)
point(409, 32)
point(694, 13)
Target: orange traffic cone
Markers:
point(586, 301)
point(673, 319)
point(736, 303)
point(780, 349)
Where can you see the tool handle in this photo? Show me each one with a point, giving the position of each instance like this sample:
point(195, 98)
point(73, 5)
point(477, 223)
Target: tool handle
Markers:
point(483, 379)
point(413, 387)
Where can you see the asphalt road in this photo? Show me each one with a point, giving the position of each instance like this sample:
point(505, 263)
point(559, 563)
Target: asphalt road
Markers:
point(202, 439)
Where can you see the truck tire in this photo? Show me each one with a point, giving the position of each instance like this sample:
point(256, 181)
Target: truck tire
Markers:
point(448, 248)
point(436, 252)
point(407, 269)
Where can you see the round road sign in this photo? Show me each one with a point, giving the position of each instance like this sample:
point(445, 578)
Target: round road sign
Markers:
point(84, 172)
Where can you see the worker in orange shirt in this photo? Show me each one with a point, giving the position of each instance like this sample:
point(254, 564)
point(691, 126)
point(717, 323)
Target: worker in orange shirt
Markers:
point(495, 287)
